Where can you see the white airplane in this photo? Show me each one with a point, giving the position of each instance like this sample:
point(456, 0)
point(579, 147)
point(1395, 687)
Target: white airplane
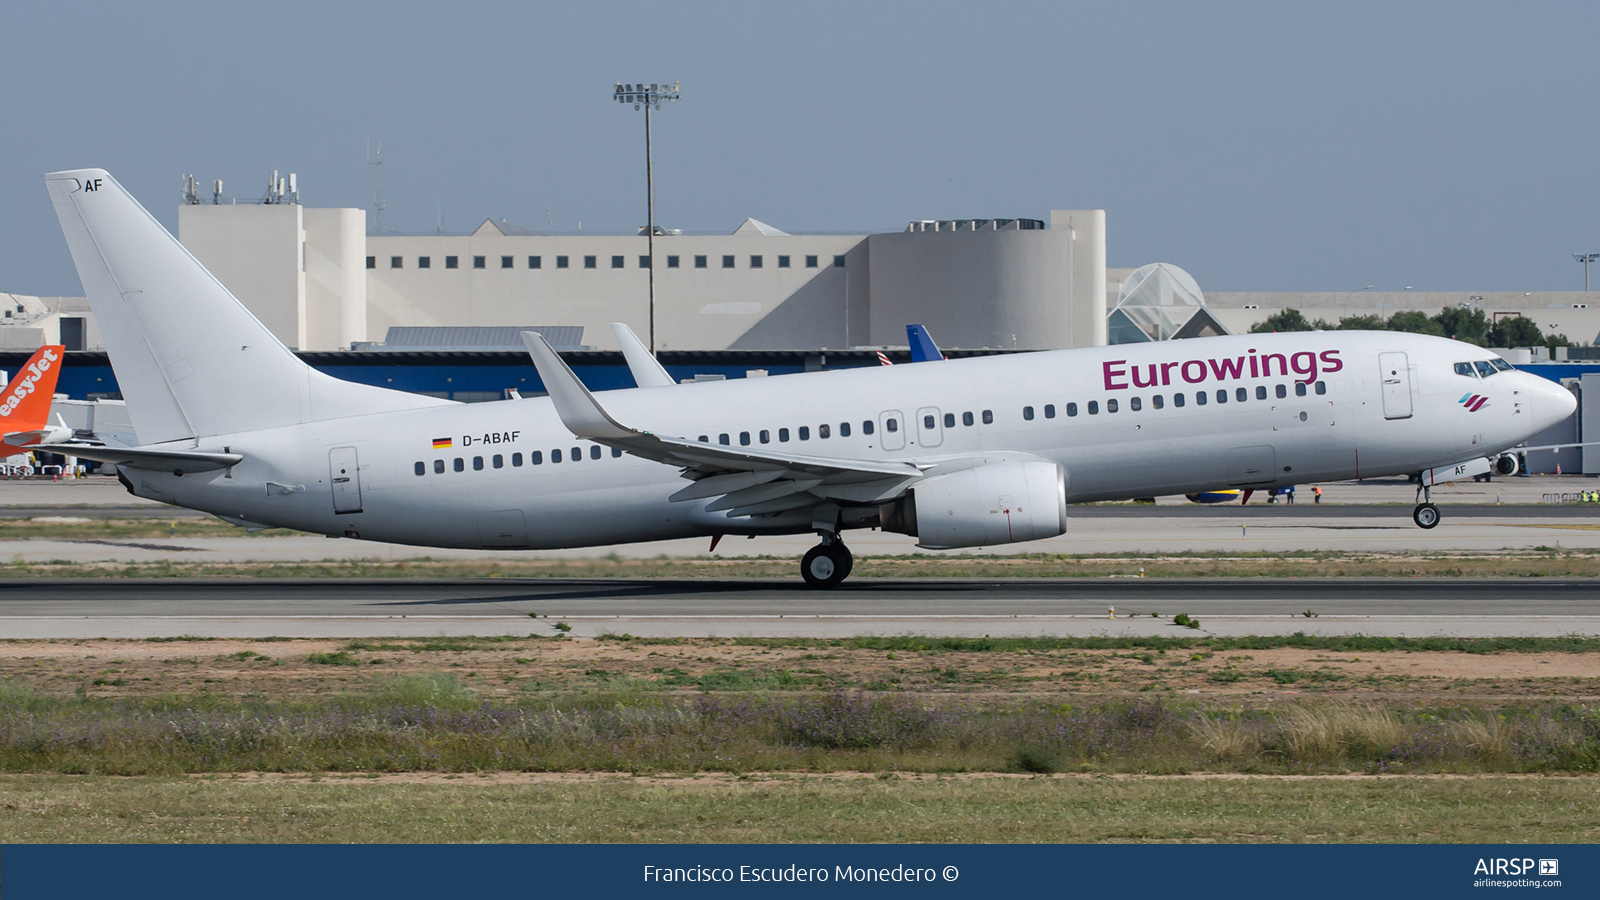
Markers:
point(974, 452)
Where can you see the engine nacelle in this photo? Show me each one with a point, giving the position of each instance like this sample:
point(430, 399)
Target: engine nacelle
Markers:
point(1506, 465)
point(1000, 503)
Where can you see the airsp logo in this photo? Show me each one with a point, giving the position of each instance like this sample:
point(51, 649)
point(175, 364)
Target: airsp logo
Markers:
point(92, 185)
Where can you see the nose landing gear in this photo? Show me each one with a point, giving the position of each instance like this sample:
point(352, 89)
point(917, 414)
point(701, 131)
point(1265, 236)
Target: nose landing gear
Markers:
point(827, 564)
point(1426, 515)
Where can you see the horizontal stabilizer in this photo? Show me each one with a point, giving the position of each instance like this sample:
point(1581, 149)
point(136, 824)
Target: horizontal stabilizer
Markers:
point(151, 457)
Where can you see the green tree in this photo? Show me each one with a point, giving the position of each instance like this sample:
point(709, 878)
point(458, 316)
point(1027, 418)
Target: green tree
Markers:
point(1515, 331)
point(1469, 325)
point(1364, 323)
point(1283, 320)
point(1415, 322)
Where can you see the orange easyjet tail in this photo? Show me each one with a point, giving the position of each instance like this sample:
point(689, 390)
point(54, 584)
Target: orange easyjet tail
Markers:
point(25, 403)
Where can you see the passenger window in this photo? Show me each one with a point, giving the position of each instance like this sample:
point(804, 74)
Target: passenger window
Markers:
point(1484, 369)
point(1111, 405)
point(891, 424)
point(823, 432)
point(1322, 387)
point(866, 427)
point(928, 421)
point(616, 453)
point(1200, 398)
point(594, 452)
point(460, 465)
point(1027, 413)
point(705, 438)
point(535, 458)
point(1261, 391)
point(783, 434)
point(1094, 407)
point(516, 460)
point(555, 456)
point(1157, 402)
point(1222, 395)
point(949, 420)
point(1282, 392)
point(1241, 395)
point(438, 467)
point(577, 454)
point(966, 418)
point(1049, 410)
point(1177, 400)
point(1134, 403)
point(421, 469)
point(723, 439)
point(766, 436)
point(498, 461)
point(1299, 388)
point(477, 464)
point(844, 429)
point(744, 438)
point(1072, 409)
point(804, 433)
point(1466, 369)
point(988, 417)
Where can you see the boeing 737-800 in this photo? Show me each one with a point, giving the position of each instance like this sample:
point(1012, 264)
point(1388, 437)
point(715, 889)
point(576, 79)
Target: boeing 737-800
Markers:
point(966, 453)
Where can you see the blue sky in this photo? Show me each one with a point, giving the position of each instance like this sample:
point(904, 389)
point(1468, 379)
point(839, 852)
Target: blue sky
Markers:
point(1446, 146)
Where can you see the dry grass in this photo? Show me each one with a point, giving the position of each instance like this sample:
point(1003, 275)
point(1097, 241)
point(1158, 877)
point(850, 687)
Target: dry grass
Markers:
point(798, 808)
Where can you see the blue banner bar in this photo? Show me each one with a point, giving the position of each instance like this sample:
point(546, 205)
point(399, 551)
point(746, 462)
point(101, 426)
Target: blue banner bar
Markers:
point(1173, 872)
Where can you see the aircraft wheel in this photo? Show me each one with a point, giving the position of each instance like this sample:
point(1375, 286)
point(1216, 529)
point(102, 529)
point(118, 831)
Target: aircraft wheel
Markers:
point(825, 565)
point(1426, 515)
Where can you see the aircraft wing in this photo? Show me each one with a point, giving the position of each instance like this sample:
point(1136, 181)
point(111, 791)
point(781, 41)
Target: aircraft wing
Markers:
point(1553, 447)
point(150, 457)
point(749, 481)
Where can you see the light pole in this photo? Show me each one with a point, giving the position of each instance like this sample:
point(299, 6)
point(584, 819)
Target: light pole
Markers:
point(1586, 258)
point(648, 96)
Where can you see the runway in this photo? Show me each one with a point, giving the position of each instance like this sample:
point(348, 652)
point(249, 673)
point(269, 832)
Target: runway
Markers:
point(143, 608)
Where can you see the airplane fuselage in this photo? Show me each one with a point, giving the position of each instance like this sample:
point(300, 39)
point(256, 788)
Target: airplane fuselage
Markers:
point(1123, 422)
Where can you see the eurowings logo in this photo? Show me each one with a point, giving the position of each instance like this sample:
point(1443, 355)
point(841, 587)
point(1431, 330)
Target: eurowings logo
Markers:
point(1473, 402)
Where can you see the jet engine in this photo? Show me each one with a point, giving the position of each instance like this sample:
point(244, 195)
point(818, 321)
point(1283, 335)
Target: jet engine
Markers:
point(999, 503)
point(1506, 465)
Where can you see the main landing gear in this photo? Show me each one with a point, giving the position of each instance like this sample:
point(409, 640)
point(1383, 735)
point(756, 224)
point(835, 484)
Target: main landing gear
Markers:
point(1426, 515)
point(827, 564)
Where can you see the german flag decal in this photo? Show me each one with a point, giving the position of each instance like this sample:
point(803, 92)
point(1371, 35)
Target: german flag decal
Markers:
point(441, 443)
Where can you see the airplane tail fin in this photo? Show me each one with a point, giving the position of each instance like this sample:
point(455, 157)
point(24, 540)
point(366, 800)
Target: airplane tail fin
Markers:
point(25, 400)
point(190, 359)
point(923, 348)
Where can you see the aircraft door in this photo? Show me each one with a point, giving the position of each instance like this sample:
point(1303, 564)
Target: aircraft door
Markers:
point(345, 475)
point(891, 429)
point(930, 432)
point(1395, 374)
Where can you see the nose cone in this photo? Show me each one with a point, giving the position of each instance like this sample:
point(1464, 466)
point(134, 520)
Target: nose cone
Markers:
point(1549, 402)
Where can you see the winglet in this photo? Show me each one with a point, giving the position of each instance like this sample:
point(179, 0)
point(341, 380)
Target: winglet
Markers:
point(579, 411)
point(647, 372)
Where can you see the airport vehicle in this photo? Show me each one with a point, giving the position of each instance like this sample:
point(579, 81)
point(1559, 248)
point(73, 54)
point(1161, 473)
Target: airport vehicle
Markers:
point(25, 404)
point(967, 453)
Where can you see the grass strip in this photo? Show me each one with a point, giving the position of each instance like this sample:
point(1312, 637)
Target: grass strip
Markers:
point(792, 809)
point(438, 723)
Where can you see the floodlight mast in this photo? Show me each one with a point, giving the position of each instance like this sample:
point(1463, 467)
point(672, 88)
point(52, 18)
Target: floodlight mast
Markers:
point(648, 96)
point(1586, 258)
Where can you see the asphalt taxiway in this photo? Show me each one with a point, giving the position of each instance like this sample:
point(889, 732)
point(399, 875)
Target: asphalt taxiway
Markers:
point(138, 608)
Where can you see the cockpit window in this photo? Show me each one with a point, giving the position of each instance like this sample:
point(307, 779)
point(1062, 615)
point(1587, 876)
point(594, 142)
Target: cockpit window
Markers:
point(1484, 369)
point(1502, 365)
point(1465, 369)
